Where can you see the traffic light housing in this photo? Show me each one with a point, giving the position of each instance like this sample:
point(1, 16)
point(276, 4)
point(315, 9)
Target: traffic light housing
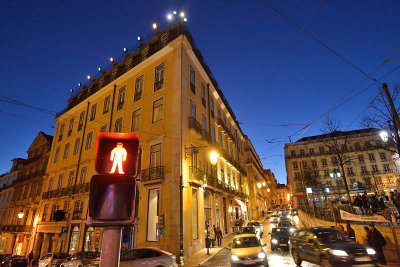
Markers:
point(114, 184)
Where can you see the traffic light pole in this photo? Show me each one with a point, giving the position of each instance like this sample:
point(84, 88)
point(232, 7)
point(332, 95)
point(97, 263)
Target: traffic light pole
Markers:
point(110, 249)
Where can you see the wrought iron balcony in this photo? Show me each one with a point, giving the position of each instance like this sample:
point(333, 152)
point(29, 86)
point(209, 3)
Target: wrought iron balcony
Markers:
point(82, 188)
point(195, 125)
point(196, 174)
point(158, 85)
point(16, 228)
point(151, 174)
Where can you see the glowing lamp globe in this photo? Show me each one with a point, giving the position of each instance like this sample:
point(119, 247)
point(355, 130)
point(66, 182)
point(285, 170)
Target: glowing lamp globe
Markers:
point(213, 157)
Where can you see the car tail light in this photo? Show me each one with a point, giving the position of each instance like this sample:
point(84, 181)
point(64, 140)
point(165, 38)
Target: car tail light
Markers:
point(166, 252)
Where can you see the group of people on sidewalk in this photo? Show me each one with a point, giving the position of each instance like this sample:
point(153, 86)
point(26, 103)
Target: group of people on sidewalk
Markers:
point(377, 203)
point(213, 234)
point(374, 239)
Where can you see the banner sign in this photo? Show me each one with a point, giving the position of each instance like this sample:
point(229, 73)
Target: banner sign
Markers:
point(362, 218)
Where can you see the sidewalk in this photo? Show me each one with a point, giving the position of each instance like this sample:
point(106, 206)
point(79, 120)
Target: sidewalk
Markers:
point(201, 256)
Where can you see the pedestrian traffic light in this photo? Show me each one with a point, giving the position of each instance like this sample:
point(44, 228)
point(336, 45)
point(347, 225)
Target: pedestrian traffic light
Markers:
point(161, 223)
point(113, 186)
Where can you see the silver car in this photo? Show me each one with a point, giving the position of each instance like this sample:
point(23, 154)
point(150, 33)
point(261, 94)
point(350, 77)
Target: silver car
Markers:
point(83, 259)
point(147, 257)
point(52, 259)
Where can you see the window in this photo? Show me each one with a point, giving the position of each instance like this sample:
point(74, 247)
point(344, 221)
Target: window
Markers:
point(138, 89)
point(82, 179)
point(203, 95)
point(324, 163)
point(164, 40)
point(382, 155)
point(367, 181)
point(71, 126)
point(297, 175)
point(219, 116)
point(295, 165)
point(54, 208)
point(192, 110)
point(334, 161)
point(44, 214)
point(57, 155)
point(106, 106)
point(66, 150)
point(155, 156)
point(360, 158)
point(103, 129)
point(60, 181)
point(311, 151)
point(71, 178)
point(386, 168)
point(293, 153)
point(77, 214)
point(89, 141)
point(158, 110)
point(118, 125)
point(93, 112)
point(213, 134)
point(350, 171)
point(302, 154)
point(81, 119)
point(314, 163)
point(316, 174)
point(371, 157)
point(321, 150)
point(203, 124)
point(136, 120)
point(326, 173)
point(375, 169)
point(357, 146)
point(61, 132)
point(305, 164)
point(364, 170)
point(121, 98)
point(192, 80)
point(220, 140)
point(152, 215)
point(145, 51)
point(195, 215)
point(159, 77)
point(212, 106)
point(50, 184)
point(76, 146)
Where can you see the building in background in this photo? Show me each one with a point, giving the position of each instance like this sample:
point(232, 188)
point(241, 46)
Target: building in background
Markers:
point(311, 163)
point(166, 93)
point(283, 196)
point(20, 198)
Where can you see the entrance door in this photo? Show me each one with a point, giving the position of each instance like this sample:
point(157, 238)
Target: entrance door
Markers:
point(225, 215)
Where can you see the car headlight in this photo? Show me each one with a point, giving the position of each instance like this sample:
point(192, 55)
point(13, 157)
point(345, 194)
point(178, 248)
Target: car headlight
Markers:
point(271, 219)
point(338, 252)
point(371, 251)
point(235, 258)
point(291, 229)
point(261, 255)
point(274, 241)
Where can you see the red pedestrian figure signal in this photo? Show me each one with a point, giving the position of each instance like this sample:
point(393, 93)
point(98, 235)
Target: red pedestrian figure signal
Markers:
point(118, 154)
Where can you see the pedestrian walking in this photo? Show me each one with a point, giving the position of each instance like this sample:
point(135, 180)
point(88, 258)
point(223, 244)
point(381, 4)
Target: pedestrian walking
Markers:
point(381, 204)
point(350, 232)
point(364, 201)
point(377, 242)
point(30, 257)
point(212, 236)
point(219, 236)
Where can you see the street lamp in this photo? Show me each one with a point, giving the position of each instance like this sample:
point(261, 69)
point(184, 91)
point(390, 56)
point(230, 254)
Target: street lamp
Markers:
point(259, 185)
point(263, 184)
point(213, 157)
point(21, 215)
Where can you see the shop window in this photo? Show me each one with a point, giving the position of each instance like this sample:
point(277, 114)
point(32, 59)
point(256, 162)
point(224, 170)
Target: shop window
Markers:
point(152, 215)
point(74, 241)
point(195, 215)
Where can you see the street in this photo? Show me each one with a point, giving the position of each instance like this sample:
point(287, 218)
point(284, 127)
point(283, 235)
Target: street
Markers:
point(275, 258)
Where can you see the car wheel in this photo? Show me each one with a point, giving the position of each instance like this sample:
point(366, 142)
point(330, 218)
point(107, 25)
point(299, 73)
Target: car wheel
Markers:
point(296, 258)
point(325, 262)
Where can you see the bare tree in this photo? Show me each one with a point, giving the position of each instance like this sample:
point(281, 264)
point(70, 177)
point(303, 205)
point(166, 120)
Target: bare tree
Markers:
point(339, 149)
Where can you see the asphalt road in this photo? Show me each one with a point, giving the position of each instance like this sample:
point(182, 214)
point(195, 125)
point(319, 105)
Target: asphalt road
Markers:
point(275, 258)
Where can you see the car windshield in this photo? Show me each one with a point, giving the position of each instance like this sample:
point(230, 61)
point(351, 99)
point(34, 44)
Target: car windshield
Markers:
point(245, 242)
point(280, 231)
point(94, 254)
point(285, 223)
point(60, 256)
point(248, 230)
point(330, 236)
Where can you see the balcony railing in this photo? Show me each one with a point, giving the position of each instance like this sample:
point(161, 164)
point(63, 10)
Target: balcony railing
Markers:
point(387, 171)
point(29, 176)
point(16, 228)
point(82, 188)
point(158, 85)
point(195, 125)
point(196, 174)
point(151, 174)
point(137, 96)
point(365, 173)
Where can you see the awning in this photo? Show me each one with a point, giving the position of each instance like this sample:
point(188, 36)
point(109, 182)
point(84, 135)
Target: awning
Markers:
point(240, 203)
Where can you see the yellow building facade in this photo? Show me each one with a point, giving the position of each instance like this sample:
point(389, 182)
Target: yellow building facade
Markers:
point(166, 93)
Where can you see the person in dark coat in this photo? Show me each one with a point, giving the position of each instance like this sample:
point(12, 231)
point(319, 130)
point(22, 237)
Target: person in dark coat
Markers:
point(219, 236)
point(367, 242)
point(381, 204)
point(377, 242)
point(364, 201)
point(30, 257)
point(350, 232)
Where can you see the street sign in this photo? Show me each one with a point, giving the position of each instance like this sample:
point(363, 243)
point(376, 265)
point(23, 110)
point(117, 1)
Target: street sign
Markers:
point(64, 229)
point(161, 224)
point(113, 186)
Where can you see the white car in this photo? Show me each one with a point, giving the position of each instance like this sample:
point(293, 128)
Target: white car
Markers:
point(83, 259)
point(52, 259)
point(147, 257)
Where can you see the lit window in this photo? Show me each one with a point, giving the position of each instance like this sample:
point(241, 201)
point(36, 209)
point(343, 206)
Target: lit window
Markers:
point(158, 110)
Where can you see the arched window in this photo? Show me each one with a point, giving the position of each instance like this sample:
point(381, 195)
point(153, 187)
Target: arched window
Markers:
point(77, 210)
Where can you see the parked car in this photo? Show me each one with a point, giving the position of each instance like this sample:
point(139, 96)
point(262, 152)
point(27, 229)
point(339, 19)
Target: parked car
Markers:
point(83, 259)
point(294, 212)
point(246, 250)
point(274, 218)
point(287, 224)
point(5, 258)
point(268, 215)
point(280, 238)
point(328, 247)
point(15, 261)
point(259, 227)
point(52, 259)
point(286, 216)
point(147, 257)
point(249, 230)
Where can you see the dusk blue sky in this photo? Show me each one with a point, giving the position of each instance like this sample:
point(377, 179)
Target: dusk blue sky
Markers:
point(48, 47)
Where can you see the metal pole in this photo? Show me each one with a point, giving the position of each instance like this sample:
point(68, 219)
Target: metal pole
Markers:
point(395, 239)
point(110, 249)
